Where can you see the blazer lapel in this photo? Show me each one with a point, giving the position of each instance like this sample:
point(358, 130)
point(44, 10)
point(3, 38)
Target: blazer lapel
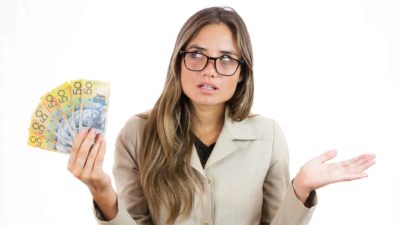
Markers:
point(231, 132)
point(195, 161)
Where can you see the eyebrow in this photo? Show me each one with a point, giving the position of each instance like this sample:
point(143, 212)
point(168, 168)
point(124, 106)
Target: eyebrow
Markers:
point(197, 47)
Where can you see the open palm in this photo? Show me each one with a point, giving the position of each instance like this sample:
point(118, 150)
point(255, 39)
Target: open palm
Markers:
point(317, 172)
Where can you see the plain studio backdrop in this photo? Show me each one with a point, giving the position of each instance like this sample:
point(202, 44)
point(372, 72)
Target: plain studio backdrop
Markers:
point(327, 71)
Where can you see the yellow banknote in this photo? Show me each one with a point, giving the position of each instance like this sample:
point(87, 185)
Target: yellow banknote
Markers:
point(59, 122)
point(76, 92)
point(36, 140)
point(38, 128)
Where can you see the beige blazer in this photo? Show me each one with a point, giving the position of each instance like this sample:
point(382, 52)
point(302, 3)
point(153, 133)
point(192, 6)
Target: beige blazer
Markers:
point(246, 179)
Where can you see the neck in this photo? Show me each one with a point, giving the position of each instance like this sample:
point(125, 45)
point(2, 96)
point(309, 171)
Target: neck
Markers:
point(208, 122)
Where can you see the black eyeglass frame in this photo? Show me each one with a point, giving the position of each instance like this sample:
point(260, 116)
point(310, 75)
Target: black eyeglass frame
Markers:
point(183, 53)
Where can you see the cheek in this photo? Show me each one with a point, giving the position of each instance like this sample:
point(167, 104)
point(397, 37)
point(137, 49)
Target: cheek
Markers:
point(231, 86)
point(228, 88)
point(232, 83)
point(182, 76)
point(185, 80)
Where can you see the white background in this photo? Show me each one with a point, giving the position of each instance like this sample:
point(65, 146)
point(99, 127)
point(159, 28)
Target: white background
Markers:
point(327, 71)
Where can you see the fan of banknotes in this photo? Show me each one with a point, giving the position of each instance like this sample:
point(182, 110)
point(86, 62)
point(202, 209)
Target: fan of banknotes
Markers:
point(67, 109)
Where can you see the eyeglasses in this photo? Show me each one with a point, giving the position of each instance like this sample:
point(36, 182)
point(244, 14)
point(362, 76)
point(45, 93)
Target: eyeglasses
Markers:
point(224, 65)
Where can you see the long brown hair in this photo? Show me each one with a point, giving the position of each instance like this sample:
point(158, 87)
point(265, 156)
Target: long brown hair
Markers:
point(166, 174)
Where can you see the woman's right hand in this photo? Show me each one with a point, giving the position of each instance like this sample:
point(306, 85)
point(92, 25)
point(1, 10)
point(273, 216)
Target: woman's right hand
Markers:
point(85, 163)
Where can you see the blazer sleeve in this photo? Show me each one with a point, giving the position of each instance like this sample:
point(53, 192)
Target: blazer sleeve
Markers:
point(132, 204)
point(280, 204)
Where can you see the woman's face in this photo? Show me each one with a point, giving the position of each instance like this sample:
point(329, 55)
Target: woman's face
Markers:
point(208, 87)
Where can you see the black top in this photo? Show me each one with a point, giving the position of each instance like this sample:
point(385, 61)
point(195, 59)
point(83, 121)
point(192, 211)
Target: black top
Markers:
point(203, 150)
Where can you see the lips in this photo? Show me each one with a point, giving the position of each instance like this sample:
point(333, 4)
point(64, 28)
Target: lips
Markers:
point(207, 86)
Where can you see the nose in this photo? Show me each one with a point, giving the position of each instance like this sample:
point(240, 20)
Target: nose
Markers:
point(210, 69)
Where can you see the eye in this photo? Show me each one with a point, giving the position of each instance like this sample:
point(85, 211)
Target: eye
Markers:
point(196, 55)
point(226, 59)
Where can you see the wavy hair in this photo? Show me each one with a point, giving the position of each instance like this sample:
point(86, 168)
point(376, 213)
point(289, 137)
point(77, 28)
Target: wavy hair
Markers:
point(166, 174)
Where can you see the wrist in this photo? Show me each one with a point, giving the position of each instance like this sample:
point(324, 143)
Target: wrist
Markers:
point(300, 190)
point(106, 197)
point(106, 202)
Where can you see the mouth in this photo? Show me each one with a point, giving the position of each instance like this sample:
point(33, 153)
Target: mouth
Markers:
point(207, 87)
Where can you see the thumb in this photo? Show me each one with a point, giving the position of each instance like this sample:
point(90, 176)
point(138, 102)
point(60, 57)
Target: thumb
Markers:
point(328, 155)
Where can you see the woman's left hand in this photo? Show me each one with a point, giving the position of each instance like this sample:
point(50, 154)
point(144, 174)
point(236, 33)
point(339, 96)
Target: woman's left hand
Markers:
point(317, 172)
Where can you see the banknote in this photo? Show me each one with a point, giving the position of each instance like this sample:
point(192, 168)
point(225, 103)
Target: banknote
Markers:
point(58, 102)
point(94, 105)
point(67, 109)
point(36, 140)
point(40, 141)
point(42, 120)
point(40, 129)
point(57, 122)
point(76, 91)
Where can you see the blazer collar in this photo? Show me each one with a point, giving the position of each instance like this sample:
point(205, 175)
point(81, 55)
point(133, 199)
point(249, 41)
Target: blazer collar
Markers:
point(232, 131)
point(242, 130)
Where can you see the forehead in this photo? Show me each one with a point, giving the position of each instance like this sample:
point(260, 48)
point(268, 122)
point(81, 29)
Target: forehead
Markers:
point(215, 38)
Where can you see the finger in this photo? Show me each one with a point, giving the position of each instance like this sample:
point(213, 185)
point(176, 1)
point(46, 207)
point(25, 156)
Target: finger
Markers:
point(359, 163)
point(366, 164)
point(327, 156)
point(84, 150)
point(356, 170)
point(88, 167)
point(356, 161)
point(77, 142)
point(353, 176)
point(362, 158)
point(352, 172)
point(98, 163)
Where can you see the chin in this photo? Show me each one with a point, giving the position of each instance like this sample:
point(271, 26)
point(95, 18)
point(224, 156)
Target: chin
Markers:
point(208, 102)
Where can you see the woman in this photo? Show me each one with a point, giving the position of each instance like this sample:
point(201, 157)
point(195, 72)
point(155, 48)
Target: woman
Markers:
point(200, 156)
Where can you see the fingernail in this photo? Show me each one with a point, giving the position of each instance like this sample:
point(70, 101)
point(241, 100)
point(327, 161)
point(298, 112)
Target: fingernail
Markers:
point(83, 132)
